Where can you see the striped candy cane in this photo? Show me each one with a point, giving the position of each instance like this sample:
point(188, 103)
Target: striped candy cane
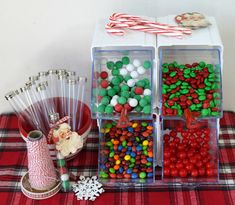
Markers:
point(119, 22)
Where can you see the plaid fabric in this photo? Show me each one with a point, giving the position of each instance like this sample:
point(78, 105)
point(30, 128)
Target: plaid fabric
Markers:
point(13, 164)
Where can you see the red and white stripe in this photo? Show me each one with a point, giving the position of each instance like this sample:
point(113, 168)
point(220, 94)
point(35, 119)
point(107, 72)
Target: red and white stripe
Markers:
point(119, 22)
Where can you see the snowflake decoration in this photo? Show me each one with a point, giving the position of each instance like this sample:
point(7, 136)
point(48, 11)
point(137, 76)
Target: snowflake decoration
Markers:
point(87, 188)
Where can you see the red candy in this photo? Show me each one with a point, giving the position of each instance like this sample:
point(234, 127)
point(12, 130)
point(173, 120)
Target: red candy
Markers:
point(103, 74)
point(104, 83)
point(139, 91)
point(118, 108)
point(188, 156)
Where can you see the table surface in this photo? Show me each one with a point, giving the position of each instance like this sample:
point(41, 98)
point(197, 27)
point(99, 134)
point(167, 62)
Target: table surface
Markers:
point(13, 164)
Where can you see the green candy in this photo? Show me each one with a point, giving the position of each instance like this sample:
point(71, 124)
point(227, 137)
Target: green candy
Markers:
point(216, 95)
point(214, 113)
point(102, 92)
point(143, 102)
point(138, 97)
point(124, 88)
point(101, 108)
point(212, 104)
point(187, 71)
point(147, 98)
point(180, 112)
point(165, 70)
point(112, 170)
point(182, 66)
point(172, 96)
point(215, 86)
point(137, 139)
point(172, 74)
point(192, 74)
point(118, 64)
point(122, 100)
point(110, 65)
point(108, 109)
point(124, 143)
point(125, 94)
point(111, 154)
point(192, 107)
point(66, 185)
point(199, 105)
point(109, 144)
point(148, 164)
point(173, 86)
point(115, 72)
point(146, 81)
point(142, 175)
point(108, 125)
point(147, 109)
point(164, 91)
point(105, 100)
point(128, 77)
point(178, 82)
point(138, 108)
point(202, 97)
point(104, 175)
point(165, 65)
point(132, 160)
point(147, 64)
point(125, 60)
point(117, 88)
point(184, 91)
point(145, 152)
point(202, 64)
point(204, 112)
point(61, 162)
point(140, 83)
point(131, 165)
point(187, 76)
point(111, 92)
point(116, 81)
point(144, 124)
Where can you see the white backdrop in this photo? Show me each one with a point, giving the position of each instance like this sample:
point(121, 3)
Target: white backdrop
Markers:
point(39, 34)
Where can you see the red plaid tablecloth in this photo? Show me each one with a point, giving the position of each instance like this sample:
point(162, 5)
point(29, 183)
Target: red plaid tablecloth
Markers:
point(13, 164)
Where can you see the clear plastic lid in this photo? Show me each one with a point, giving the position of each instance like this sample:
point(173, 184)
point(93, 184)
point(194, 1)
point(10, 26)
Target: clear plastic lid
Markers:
point(122, 79)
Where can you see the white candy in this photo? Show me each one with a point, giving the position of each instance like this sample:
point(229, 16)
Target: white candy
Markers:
point(64, 177)
point(141, 70)
point(147, 92)
point(136, 62)
point(123, 71)
point(115, 97)
point(130, 67)
point(113, 102)
point(131, 83)
point(59, 156)
point(134, 74)
point(133, 102)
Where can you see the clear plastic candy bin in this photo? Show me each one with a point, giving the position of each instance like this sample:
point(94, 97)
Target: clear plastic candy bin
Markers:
point(126, 155)
point(122, 79)
point(190, 156)
point(191, 78)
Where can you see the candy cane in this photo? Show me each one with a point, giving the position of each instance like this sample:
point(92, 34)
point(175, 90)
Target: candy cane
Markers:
point(119, 22)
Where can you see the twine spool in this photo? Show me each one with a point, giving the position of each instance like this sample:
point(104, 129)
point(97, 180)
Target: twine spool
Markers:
point(42, 174)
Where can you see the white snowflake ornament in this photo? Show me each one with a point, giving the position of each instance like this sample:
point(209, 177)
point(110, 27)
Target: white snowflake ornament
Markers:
point(88, 188)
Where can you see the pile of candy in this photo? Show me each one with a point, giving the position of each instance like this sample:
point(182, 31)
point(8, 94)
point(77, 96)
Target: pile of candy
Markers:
point(187, 153)
point(127, 153)
point(123, 84)
point(195, 86)
point(64, 174)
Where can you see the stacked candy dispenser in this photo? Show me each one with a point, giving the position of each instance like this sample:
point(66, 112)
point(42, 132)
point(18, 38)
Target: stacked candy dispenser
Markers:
point(191, 104)
point(123, 104)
